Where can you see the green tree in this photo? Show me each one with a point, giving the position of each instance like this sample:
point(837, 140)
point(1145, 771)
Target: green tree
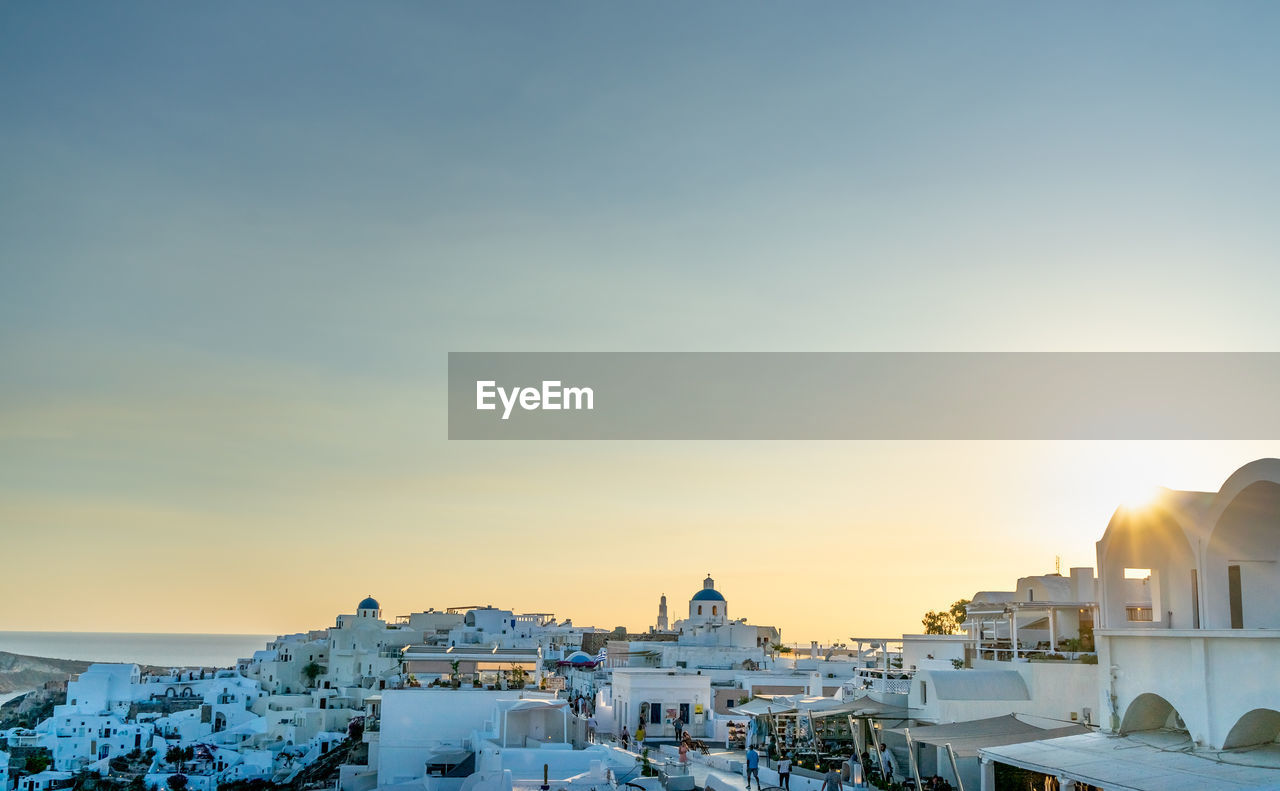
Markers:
point(947, 621)
point(177, 782)
point(173, 756)
point(179, 756)
point(311, 671)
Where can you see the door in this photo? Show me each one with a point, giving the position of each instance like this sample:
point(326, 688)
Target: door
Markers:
point(1236, 596)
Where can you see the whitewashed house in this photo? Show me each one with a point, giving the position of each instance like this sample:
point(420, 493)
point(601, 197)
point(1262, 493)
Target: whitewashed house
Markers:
point(1193, 672)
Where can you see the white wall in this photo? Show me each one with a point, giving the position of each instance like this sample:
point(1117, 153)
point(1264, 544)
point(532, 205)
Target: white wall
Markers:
point(631, 687)
point(415, 722)
point(1054, 689)
point(1211, 677)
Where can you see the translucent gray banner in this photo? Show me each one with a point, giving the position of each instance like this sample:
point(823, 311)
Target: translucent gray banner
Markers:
point(857, 395)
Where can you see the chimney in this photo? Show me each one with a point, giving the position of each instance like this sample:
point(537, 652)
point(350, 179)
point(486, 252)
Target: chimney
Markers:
point(1082, 588)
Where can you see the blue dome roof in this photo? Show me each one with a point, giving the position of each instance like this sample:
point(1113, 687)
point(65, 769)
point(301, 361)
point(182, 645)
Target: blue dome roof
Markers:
point(708, 594)
point(369, 603)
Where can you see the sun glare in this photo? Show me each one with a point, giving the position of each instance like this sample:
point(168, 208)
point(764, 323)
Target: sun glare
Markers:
point(1140, 497)
point(1132, 476)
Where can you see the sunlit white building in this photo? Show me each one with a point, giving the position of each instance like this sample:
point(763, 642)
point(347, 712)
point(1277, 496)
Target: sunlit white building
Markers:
point(1192, 674)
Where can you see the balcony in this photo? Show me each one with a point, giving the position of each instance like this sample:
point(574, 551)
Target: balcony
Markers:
point(889, 686)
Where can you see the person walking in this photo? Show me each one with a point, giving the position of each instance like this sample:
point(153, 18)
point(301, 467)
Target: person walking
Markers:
point(753, 767)
point(626, 737)
point(831, 780)
point(784, 773)
point(640, 734)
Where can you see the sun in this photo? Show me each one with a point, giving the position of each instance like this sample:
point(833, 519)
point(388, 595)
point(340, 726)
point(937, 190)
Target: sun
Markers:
point(1132, 476)
point(1140, 496)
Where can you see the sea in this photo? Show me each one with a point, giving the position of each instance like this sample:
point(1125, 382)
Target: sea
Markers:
point(159, 649)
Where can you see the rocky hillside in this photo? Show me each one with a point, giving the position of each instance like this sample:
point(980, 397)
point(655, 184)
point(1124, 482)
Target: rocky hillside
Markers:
point(26, 711)
point(19, 672)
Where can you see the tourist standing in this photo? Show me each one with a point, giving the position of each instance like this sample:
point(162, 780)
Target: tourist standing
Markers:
point(831, 781)
point(784, 772)
point(753, 767)
point(888, 764)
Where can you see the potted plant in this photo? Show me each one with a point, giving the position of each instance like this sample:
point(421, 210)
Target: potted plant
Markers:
point(518, 677)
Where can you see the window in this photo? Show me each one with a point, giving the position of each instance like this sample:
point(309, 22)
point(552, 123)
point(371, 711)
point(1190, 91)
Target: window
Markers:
point(699, 609)
point(1138, 613)
point(924, 692)
point(715, 610)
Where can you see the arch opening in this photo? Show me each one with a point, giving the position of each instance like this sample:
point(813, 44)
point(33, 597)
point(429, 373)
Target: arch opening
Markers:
point(1150, 712)
point(1148, 571)
point(1260, 726)
point(1243, 559)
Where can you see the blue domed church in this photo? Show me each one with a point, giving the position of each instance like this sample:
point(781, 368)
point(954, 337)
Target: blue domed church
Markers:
point(708, 605)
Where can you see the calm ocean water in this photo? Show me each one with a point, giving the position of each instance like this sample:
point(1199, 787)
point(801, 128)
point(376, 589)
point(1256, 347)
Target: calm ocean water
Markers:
point(164, 650)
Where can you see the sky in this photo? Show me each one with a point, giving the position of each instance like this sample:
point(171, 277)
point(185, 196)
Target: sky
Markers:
point(237, 242)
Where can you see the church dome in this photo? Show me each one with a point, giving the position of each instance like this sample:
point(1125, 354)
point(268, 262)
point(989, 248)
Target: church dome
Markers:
point(369, 603)
point(708, 594)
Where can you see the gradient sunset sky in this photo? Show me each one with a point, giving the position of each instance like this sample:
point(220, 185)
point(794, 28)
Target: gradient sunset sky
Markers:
point(237, 241)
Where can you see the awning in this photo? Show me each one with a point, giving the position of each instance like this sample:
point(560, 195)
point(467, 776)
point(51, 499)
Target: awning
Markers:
point(866, 706)
point(765, 704)
point(1148, 761)
point(967, 738)
point(783, 705)
point(535, 705)
point(978, 685)
point(449, 757)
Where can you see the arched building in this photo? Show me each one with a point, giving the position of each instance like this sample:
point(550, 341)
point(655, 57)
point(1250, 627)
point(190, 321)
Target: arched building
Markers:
point(708, 605)
point(1203, 655)
point(368, 608)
